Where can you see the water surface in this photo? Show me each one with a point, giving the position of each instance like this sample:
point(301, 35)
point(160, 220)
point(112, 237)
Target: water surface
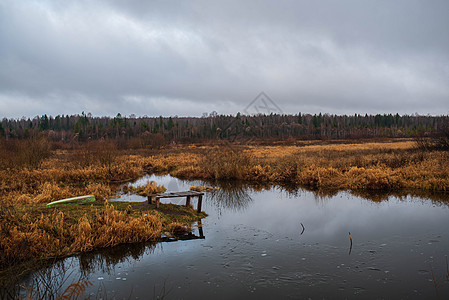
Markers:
point(280, 243)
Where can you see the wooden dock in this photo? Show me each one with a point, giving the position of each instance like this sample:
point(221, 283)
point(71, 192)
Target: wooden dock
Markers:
point(188, 194)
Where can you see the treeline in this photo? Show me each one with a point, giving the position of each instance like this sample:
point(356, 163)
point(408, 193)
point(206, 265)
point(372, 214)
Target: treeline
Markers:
point(158, 130)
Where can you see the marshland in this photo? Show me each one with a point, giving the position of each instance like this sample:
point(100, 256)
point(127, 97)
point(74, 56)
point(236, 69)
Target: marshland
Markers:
point(224, 150)
point(297, 186)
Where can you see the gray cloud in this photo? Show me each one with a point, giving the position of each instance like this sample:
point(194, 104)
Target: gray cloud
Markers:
point(179, 58)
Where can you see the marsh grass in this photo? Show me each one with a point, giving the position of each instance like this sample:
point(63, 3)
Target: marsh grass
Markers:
point(149, 188)
point(364, 166)
point(33, 232)
point(177, 228)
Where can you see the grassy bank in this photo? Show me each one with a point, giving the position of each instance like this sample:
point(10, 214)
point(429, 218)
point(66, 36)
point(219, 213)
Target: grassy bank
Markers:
point(36, 232)
point(29, 231)
point(391, 165)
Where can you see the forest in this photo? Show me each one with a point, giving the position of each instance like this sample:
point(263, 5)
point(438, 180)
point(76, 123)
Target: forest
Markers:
point(138, 132)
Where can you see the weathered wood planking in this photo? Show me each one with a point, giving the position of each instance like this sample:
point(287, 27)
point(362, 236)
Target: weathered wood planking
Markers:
point(187, 194)
point(179, 194)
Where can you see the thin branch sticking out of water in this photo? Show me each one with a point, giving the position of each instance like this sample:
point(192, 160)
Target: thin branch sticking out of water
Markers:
point(435, 282)
point(163, 293)
point(350, 247)
point(447, 270)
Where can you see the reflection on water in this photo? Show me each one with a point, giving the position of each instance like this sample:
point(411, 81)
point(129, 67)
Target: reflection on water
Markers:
point(233, 196)
point(262, 242)
point(236, 195)
point(439, 198)
point(106, 259)
point(45, 283)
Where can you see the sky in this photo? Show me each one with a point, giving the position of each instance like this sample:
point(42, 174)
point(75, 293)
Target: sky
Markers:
point(186, 58)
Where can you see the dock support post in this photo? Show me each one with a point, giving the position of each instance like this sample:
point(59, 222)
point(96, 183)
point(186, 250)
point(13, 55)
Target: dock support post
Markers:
point(187, 200)
point(200, 200)
point(200, 228)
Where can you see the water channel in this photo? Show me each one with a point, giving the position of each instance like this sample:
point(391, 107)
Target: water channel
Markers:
point(279, 243)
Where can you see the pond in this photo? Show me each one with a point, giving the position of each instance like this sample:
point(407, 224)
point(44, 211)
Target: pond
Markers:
point(278, 242)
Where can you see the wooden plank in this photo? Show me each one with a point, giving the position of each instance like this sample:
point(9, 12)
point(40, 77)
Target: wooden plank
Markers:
point(187, 194)
point(179, 194)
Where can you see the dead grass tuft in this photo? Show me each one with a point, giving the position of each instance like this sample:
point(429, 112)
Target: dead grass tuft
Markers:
point(51, 192)
point(112, 227)
point(149, 188)
point(101, 191)
point(177, 228)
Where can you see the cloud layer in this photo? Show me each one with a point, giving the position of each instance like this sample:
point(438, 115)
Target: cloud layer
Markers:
point(178, 58)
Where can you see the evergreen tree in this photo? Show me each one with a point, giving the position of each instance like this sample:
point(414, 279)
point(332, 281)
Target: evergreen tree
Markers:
point(299, 118)
point(43, 123)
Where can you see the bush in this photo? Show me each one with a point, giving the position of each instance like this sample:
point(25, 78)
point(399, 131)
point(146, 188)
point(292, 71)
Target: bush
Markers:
point(439, 141)
point(31, 152)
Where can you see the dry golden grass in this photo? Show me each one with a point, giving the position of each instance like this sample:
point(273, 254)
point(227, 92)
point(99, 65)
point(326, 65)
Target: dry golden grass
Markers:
point(149, 188)
point(111, 227)
point(372, 166)
point(200, 188)
point(29, 230)
point(38, 232)
point(177, 228)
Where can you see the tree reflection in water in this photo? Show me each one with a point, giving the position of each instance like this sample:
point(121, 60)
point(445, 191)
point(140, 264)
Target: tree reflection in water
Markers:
point(48, 282)
point(107, 258)
point(235, 195)
point(232, 195)
point(437, 197)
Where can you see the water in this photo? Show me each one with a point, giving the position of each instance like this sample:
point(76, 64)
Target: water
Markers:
point(279, 243)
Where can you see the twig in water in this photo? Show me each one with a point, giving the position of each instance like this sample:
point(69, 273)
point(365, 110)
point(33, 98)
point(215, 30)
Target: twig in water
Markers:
point(350, 247)
point(164, 293)
point(302, 228)
point(435, 282)
point(447, 269)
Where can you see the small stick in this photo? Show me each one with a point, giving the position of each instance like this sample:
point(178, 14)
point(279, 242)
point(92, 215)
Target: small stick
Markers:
point(305, 229)
point(350, 247)
point(447, 269)
point(435, 282)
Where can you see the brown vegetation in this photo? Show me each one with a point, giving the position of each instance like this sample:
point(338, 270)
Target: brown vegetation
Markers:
point(149, 188)
point(38, 232)
point(440, 141)
point(29, 230)
point(363, 166)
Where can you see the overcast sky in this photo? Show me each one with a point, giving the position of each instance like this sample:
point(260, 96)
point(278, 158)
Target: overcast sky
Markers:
point(188, 57)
